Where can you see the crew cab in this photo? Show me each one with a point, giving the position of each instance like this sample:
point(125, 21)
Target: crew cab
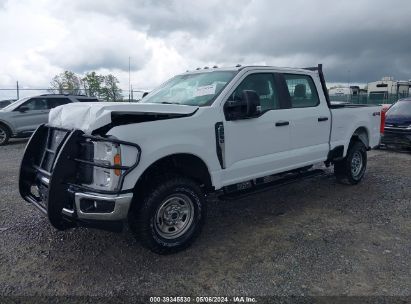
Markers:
point(215, 131)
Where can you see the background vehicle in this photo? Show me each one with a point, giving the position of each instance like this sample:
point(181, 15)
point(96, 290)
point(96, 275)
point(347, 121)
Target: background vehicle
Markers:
point(5, 103)
point(21, 118)
point(397, 129)
point(224, 131)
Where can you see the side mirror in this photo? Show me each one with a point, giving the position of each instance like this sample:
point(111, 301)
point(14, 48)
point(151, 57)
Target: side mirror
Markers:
point(247, 106)
point(23, 109)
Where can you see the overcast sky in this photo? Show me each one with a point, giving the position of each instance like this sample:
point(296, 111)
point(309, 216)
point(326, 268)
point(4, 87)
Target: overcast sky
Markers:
point(357, 41)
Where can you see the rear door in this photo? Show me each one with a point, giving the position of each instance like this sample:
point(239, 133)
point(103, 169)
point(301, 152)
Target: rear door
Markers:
point(256, 147)
point(311, 120)
point(57, 101)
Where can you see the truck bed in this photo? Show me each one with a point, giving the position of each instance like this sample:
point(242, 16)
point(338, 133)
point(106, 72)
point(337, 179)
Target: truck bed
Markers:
point(347, 118)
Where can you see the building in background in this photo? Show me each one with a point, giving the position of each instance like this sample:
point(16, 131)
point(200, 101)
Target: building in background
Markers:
point(387, 90)
point(352, 94)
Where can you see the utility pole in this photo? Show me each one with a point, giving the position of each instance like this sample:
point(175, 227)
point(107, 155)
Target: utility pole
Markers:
point(18, 91)
point(129, 80)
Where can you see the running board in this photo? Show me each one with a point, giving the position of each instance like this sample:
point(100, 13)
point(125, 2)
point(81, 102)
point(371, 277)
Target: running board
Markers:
point(262, 187)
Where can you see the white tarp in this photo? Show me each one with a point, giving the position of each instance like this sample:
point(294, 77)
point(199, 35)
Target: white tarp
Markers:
point(90, 116)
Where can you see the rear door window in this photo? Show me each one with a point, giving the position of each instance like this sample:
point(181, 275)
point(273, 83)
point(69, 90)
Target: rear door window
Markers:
point(55, 102)
point(87, 99)
point(303, 92)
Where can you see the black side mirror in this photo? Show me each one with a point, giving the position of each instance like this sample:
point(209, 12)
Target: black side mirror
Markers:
point(23, 109)
point(247, 106)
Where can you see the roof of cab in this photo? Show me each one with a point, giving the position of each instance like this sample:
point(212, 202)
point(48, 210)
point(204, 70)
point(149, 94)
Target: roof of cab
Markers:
point(250, 67)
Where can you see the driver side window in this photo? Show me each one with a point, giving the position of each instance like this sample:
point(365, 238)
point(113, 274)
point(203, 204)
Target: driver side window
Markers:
point(263, 85)
point(36, 104)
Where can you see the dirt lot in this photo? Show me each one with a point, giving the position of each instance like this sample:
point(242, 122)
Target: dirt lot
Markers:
point(314, 237)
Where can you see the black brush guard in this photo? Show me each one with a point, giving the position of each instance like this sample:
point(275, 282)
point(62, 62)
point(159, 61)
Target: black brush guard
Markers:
point(49, 176)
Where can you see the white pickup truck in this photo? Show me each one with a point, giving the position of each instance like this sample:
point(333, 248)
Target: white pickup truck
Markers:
point(225, 131)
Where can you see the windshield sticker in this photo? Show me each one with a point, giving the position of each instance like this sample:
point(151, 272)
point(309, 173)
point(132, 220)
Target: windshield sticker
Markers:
point(205, 90)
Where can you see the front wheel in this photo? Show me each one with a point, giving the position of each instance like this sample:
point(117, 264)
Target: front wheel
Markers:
point(4, 135)
point(170, 216)
point(352, 168)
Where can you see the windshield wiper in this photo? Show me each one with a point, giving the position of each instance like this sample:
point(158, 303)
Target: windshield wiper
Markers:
point(166, 102)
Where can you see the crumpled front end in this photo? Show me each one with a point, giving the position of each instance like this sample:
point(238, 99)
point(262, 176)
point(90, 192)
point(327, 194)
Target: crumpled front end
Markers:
point(76, 179)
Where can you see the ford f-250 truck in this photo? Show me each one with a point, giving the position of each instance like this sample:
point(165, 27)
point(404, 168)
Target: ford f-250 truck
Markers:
point(222, 130)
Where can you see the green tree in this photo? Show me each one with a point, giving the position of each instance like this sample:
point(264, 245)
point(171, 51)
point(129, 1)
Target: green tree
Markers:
point(93, 84)
point(110, 90)
point(66, 83)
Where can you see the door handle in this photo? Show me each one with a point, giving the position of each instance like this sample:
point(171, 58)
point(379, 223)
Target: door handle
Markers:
point(322, 118)
point(282, 123)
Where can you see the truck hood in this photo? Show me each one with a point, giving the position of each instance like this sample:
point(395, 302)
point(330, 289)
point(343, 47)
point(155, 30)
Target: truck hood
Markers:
point(89, 117)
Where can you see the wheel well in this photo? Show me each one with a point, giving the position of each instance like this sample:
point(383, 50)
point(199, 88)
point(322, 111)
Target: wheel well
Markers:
point(7, 127)
point(361, 134)
point(183, 164)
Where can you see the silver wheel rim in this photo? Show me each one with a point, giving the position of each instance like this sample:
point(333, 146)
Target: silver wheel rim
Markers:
point(356, 163)
point(174, 216)
point(3, 136)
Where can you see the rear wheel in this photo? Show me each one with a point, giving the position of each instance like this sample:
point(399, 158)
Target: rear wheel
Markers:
point(4, 135)
point(170, 216)
point(352, 168)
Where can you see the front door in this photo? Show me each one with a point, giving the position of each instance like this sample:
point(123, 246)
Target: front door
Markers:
point(35, 113)
point(256, 147)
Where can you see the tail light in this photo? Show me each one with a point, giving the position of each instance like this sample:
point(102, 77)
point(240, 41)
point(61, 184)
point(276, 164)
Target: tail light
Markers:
point(382, 126)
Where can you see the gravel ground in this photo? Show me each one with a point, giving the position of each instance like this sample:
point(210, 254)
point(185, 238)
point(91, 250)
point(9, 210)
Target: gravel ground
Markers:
point(314, 237)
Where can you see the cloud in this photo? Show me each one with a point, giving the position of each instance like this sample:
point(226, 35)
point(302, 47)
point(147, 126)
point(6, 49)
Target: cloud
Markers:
point(93, 45)
point(159, 18)
point(357, 41)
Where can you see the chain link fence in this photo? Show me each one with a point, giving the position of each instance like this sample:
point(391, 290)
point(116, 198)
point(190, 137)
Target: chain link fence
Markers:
point(375, 98)
point(14, 93)
point(136, 95)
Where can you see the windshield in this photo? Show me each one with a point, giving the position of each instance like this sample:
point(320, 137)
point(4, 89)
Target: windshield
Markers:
point(14, 104)
point(400, 108)
point(197, 89)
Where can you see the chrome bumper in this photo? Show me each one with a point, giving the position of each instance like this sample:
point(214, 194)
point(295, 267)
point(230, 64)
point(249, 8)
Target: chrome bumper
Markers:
point(53, 175)
point(121, 206)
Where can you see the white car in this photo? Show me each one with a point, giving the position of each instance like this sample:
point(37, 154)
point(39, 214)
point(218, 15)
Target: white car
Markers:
point(223, 131)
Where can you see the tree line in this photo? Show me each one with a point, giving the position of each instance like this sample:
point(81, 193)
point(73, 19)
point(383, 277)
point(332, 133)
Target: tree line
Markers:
point(104, 87)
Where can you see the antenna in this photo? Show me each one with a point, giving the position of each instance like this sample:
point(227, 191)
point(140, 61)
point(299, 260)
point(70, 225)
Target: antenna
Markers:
point(129, 79)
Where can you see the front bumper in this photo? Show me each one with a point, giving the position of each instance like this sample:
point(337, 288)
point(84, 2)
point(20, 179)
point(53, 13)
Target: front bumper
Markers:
point(399, 137)
point(52, 179)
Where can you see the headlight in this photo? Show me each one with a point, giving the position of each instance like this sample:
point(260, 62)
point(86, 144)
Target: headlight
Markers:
point(109, 154)
point(108, 162)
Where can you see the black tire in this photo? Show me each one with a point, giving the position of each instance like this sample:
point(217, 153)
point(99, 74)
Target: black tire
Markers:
point(350, 170)
point(149, 219)
point(4, 135)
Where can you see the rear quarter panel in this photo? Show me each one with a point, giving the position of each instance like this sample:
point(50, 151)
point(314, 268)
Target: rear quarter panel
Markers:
point(346, 120)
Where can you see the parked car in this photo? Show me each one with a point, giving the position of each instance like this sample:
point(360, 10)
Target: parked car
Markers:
point(22, 117)
point(5, 103)
point(214, 131)
point(397, 129)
